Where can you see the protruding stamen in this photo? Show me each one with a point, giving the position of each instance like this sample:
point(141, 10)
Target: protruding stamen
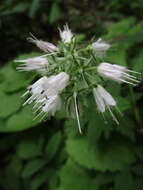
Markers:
point(113, 116)
point(76, 110)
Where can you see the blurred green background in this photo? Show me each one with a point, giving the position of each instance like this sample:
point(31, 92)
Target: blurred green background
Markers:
point(52, 155)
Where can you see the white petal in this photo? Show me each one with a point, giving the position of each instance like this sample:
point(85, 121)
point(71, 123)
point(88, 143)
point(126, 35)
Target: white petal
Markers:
point(106, 96)
point(99, 100)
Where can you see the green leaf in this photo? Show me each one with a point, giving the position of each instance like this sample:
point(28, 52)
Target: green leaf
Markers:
point(137, 62)
point(74, 177)
point(55, 13)
point(104, 178)
point(80, 37)
point(124, 181)
point(12, 80)
point(96, 123)
point(19, 8)
point(126, 127)
point(102, 157)
point(120, 28)
point(113, 88)
point(15, 80)
point(15, 161)
point(32, 167)
point(138, 169)
point(28, 148)
point(138, 183)
point(139, 152)
point(20, 121)
point(117, 56)
point(96, 127)
point(53, 145)
point(11, 175)
point(38, 180)
point(34, 7)
point(123, 103)
point(9, 104)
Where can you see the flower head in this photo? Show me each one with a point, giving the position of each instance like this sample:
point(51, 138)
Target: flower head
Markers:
point(104, 100)
point(44, 46)
point(100, 47)
point(117, 73)
point(66, 35)
point(37, 63)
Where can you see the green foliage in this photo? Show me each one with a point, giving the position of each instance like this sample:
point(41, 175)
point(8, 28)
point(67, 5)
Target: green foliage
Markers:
point(10, 104)
point(124, 181)
point(53, 155)
point(12, 86)
point(54, 13)
point(31, 8)
point(72, 175)
point(103, 156)
point(53, 145)
point(29, 148)
point(32, 167)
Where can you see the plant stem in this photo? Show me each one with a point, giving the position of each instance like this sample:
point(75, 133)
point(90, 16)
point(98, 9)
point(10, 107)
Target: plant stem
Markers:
point(136, 112)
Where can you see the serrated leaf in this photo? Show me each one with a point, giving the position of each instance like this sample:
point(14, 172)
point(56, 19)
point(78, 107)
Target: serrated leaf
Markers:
point(96, 123)
point(53, 145)
point(32, 167)
point(73, 176)
point(96, 127)
point(103, 157)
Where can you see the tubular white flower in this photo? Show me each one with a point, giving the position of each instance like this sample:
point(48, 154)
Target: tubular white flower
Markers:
point(52, 105)
point(44, 46)
point(36, 90)
point(45, 92)
point(100, 47)
point(48, 105)
point(59, 81)
point(66, 35)
point(104, 100)
point(117, 73)
point(37, 63)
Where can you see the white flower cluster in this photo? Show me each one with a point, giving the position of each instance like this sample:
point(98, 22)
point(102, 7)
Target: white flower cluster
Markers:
point(65, 65)
point(45, 93)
